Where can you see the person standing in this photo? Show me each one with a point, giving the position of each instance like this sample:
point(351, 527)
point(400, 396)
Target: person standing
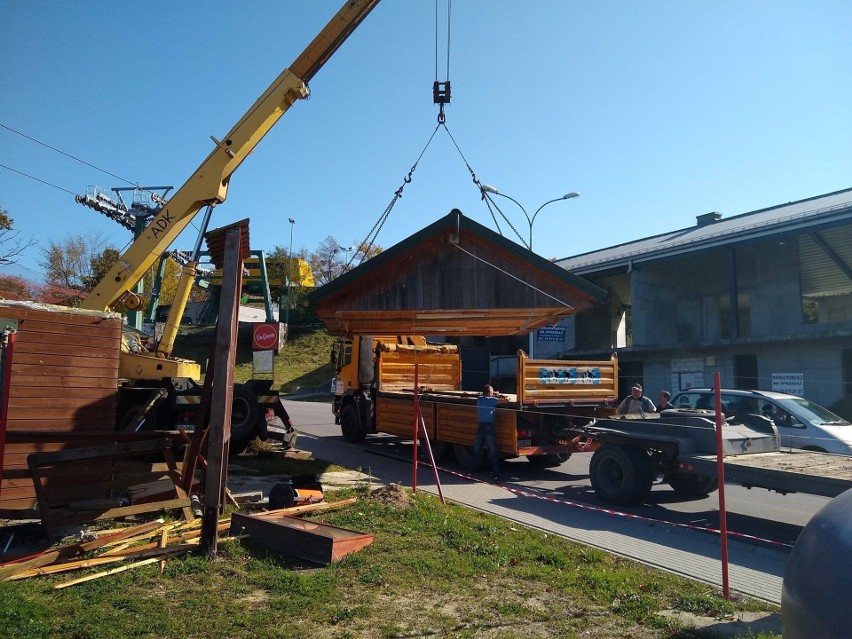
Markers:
point(636, 403)
point(665, 396)
point(486, 432)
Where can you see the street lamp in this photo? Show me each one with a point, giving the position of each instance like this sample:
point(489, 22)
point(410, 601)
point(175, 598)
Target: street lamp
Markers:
point(530, 220)
point(347, 250)
point(289, 272)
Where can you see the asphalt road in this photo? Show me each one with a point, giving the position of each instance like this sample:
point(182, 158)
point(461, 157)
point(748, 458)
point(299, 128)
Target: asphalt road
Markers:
point(665, 531)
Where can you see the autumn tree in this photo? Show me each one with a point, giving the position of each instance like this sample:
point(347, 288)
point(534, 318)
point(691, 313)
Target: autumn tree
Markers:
point(78, 262)
point(330, 260)
point(11, 242)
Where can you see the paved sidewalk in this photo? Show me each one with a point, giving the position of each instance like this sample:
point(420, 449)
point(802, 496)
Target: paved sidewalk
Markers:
point(753, 571)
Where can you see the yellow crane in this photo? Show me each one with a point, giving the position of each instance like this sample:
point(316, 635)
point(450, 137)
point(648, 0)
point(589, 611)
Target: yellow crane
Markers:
point(208, 186)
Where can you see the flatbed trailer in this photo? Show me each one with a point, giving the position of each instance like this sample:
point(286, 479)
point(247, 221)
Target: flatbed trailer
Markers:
point(787, 471)
point(681, 446)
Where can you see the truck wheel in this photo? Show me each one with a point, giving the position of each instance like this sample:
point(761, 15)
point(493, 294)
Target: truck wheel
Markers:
point(440, 450)
point(690, 485)
point(350, 425)
point(548, 461)
point(464, 455)
point(621, 474)
point(244, 416)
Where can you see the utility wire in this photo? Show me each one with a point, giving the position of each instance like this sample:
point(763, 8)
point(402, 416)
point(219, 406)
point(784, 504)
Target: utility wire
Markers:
point(32, 177)
point(73, 157)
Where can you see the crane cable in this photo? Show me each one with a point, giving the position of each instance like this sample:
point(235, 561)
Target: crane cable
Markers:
point(441, 95)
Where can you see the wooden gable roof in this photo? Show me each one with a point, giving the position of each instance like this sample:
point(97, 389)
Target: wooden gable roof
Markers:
point(454, 277)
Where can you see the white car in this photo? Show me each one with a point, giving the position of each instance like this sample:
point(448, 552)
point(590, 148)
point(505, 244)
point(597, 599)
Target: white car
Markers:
point(801, 423)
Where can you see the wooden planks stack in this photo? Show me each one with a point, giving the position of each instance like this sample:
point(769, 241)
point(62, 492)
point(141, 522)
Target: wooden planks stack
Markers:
point(62, 388)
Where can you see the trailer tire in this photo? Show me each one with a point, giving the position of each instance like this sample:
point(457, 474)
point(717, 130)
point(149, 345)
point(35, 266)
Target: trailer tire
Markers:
point(690, 485)
point(244, 419)
point(350, 425)
point(621, 475)
point(551, 460)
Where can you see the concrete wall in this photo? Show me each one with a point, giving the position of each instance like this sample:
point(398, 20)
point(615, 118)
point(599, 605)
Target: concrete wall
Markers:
point(818, 362)
point(678, 324)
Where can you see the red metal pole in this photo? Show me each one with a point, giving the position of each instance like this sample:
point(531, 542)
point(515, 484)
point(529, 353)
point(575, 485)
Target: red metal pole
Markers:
point(720, 472)
point(422, 422)
point(416, 429)
point(4, 398)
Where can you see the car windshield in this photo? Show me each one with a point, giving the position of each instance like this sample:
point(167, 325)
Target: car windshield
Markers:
point(813, 413)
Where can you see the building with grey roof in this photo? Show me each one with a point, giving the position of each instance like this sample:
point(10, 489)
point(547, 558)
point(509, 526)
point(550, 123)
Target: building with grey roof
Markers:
point(764, 298)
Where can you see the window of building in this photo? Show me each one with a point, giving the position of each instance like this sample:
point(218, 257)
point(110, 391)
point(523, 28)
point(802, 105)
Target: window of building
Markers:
point(743, 317)
point(810, 311)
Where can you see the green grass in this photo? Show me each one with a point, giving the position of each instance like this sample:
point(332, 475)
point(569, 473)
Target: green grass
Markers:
point(432, 570)
point(303, 362)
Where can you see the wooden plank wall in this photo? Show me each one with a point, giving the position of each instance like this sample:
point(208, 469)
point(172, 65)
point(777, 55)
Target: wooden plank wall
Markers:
point(62, 389)
point(396, 416)
point(457, 423)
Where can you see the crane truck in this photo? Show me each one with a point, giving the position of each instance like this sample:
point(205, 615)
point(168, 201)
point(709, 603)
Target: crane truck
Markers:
point(374, 393)
point(143, 371)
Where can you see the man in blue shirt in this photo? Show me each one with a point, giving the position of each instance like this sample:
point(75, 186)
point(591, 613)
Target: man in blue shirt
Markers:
point(486, 432)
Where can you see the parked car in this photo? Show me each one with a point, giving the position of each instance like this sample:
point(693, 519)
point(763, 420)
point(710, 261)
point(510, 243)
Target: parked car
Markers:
point(801, 423)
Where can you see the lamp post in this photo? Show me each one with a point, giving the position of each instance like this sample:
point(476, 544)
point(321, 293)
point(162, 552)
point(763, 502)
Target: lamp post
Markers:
point(289, 273)
point(347, 250)
point(530, 221)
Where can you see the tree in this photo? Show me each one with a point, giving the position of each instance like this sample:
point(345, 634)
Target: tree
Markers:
point(329, 260)
point(79, 262)
point(11, 242)
point(100, 266)
point(18, 288)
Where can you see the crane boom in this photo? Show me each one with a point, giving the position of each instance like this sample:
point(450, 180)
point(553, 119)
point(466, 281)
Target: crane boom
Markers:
point(208, 185)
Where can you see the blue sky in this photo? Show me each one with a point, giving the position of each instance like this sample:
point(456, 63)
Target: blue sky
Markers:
point(655, 111)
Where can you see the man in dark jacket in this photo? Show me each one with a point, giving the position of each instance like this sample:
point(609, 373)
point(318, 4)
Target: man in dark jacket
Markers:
point(636, 403)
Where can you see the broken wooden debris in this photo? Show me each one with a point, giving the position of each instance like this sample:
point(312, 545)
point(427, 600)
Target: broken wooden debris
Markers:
point(54, 511)
point(154, 541)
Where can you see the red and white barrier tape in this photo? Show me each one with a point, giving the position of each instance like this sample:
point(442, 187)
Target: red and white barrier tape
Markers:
point(609, 511)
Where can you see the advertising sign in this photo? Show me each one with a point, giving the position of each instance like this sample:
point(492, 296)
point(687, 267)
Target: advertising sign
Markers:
point(551, 334)
point(264, 337)
point(790, 383)
point(262, 362)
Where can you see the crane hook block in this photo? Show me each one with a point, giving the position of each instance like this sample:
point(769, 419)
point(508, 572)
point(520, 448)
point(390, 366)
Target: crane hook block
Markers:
point(441, 92)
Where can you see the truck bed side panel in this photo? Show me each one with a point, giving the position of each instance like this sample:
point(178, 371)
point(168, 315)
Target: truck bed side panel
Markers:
point(396, 416)
point(456, 424)
point(435, 371)
point(560, 381)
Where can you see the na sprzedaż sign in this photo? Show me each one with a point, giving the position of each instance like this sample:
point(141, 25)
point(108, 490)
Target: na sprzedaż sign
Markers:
point(790, 383)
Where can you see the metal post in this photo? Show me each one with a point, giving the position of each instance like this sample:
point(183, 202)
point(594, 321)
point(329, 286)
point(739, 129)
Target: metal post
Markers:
point(289, 273)
point(486, 190)
point(720, 473)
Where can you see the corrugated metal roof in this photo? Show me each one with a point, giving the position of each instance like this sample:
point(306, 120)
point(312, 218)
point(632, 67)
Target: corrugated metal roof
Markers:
point(793, 216)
